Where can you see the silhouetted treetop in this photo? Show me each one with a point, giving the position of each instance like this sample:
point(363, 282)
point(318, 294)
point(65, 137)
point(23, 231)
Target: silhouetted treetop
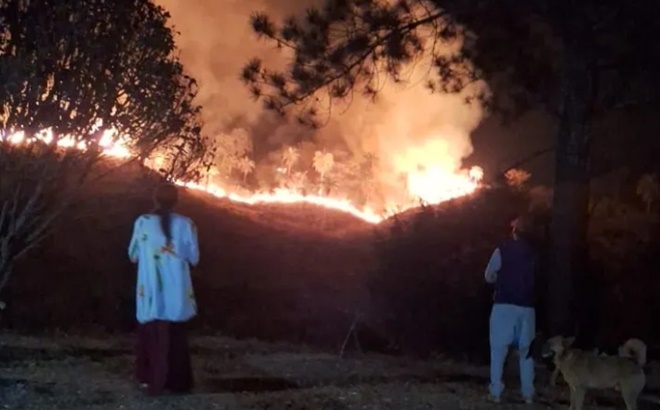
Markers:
point(76, 67)
point(520, 49)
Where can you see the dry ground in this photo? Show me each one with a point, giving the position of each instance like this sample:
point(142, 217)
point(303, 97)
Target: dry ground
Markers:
point(68, 372)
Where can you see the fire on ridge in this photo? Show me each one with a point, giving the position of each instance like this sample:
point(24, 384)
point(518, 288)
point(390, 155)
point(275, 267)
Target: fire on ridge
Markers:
point(433, 185)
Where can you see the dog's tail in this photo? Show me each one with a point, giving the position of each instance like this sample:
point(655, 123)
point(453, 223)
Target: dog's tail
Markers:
point(634, 349)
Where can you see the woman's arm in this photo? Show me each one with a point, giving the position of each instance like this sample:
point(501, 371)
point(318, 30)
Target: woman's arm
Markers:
point(192, 246)
point(134, 246)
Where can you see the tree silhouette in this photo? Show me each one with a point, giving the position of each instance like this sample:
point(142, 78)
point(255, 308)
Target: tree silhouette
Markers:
point(245, 166)
point(367, 178)
point(290, 157)
point(230, 148)
point(77, 70)
point(569, 58)
point(211, 173)
point(323, 163)
point(298, 181)
point(648, 190)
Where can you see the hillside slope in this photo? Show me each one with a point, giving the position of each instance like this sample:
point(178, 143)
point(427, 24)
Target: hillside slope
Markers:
point(264, 268)
point(299, 272)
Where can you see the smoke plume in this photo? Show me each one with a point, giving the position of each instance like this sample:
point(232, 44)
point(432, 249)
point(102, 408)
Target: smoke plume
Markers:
point(408, 129)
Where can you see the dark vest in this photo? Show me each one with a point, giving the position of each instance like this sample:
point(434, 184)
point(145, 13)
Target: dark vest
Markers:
point(515, 280)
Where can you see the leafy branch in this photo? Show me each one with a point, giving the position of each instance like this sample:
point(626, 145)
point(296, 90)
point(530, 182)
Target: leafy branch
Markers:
point(347, 46)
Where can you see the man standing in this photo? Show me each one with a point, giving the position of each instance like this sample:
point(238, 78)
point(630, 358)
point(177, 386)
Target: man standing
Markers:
point(512, 269)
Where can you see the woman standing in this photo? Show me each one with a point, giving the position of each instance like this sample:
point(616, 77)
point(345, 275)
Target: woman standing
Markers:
point(164, 245)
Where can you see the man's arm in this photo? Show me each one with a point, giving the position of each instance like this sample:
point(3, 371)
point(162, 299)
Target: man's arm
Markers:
point(494, 266)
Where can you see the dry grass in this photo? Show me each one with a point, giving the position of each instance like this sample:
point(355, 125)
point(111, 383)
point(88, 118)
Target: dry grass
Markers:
point(82, 373)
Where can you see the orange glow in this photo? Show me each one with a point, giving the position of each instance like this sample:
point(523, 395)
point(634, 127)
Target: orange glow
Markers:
point(435, 184)
point(431, 184)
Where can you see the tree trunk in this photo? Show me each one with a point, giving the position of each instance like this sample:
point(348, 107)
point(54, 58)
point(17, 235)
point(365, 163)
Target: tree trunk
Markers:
point(571, 197)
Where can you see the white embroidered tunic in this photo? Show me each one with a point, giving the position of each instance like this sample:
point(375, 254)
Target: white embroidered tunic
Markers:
point(164, 288)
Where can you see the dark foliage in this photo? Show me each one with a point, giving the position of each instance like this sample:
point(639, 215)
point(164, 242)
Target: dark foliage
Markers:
point(71, 71)
point(428, 292)
point(577, 60)
point(77, 68)
point(521, 51)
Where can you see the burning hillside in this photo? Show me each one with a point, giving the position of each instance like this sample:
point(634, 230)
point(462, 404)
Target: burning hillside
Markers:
point(430, 185)
point(256, 258)
point(373, 159)
point(294, 272)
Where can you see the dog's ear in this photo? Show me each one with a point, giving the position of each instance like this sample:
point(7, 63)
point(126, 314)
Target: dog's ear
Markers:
point(568, 341)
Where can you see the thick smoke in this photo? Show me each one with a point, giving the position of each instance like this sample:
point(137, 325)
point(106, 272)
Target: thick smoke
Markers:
point(407, 128)
point(215, 42)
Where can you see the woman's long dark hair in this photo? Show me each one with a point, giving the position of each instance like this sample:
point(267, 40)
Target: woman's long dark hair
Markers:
point(165, 197)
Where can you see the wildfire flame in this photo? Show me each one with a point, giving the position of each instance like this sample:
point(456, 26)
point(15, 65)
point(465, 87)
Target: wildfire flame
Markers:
point(431, 185)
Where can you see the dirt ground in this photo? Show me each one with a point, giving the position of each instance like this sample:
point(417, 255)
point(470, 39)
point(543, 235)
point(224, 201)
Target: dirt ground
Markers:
point(67, 372)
